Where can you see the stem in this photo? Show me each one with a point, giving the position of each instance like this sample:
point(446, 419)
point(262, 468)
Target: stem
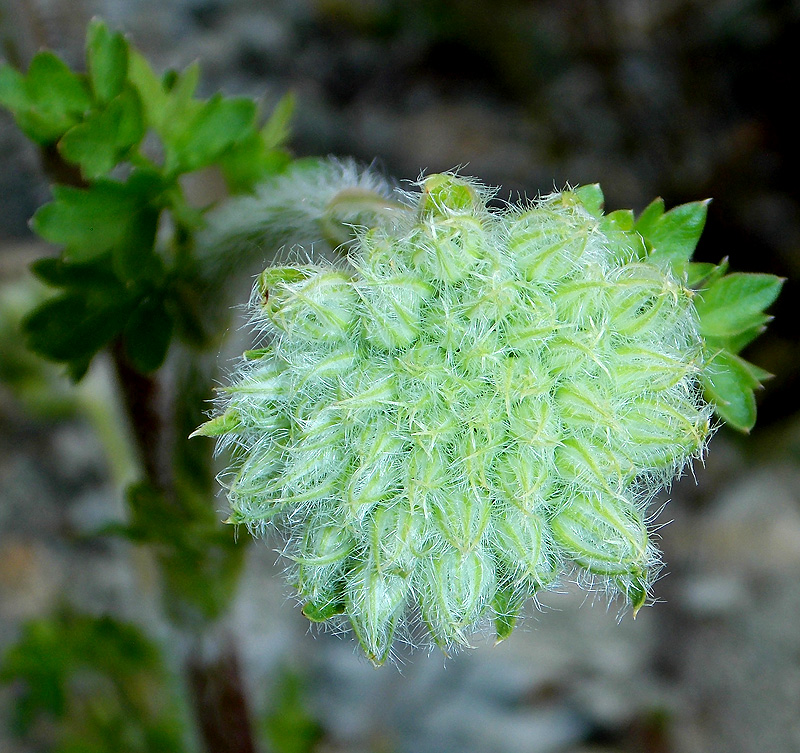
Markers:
point(212, 667)
point(215, 683)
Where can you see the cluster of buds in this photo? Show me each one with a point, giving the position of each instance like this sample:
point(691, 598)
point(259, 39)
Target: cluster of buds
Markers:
point(472, 406)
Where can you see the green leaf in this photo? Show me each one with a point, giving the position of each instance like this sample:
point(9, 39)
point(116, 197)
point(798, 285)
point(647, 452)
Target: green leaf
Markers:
point(734, 304)
point(735, 343)
point(108, 216)
point(147, 334)
point(46, 102)
point(698, 272)
point(246, 164)
point(151, 92)
point(72, 326)
point(13, 93)
point(92, 276)
point(729, 382)
point(673, 235)
point(104, 138)
point(107, 57)
point(219, 124)
point(618, 228)
point(276, 130)
point(649, 218)
point(592, 198)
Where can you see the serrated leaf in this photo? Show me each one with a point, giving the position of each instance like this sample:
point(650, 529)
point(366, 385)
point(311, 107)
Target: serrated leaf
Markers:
point(107, 58)
point(218, 124)
point(591, 196)
point(674, 235)
point(73, 327)
point(734, 304)
point(728, 385)
point(277, 129)
point(46, 102)
point(106, 136)
point(53, 87)
point(246, 164)
point(147, 334)
point(106, 216)
point(92, 276)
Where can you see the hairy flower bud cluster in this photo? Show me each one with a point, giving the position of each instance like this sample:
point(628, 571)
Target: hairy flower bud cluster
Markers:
point(475, 405)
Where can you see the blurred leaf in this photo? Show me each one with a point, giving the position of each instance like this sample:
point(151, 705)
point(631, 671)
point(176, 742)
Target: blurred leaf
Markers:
point(734, 304)
point(89, 222)
point(107, 57)
point(74, 326)
point(673, 235)
point(98, 684)
point(90, 276)
point(46, 102)
point(105, 137)
point(729, 383)
point(148, 85)
point(277, 129)
point(147, 334)
point(13, 93)
point(217, 125)
point(698, 272)
point(289, 727)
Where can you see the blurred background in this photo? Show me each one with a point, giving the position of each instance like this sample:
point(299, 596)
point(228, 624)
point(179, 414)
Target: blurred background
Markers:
point(684, 99)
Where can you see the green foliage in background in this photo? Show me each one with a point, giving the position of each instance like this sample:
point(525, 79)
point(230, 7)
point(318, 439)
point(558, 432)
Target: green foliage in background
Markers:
point(92, 685)
point(132, 136)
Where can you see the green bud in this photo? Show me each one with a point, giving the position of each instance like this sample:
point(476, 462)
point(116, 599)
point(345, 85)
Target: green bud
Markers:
point(478, 404)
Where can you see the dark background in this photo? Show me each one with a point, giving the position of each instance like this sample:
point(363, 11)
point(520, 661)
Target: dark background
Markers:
point(685, 99)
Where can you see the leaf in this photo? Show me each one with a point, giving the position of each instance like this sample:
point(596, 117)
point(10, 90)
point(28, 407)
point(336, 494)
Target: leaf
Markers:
point(147, 334)
point(108, 216)
point(735, 303)
point(649, 217)
point(729, 382)
point(625, 244)
point(46, 102)
point(673, 235)
point(151, 92)
point(277, 129)
point(246, 164)
point(697, 273)
point(216, 126)
point(91, 276)
point(72, 327)
point(105, 137)
point(107, 57)
point(13, 93)
point(591, 196)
